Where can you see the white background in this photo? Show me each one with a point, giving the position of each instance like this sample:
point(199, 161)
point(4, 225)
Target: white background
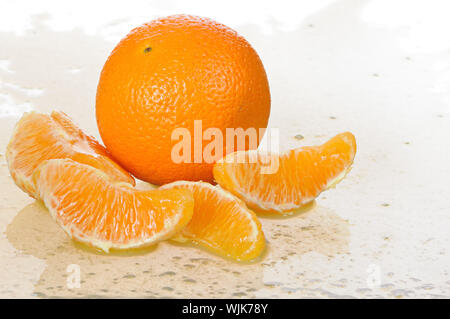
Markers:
point(378, 68)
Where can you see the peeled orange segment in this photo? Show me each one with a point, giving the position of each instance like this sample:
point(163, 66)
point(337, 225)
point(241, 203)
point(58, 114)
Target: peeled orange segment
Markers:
point(38, 137)
point(284, 182)
point(221, 222)
point(94, 209)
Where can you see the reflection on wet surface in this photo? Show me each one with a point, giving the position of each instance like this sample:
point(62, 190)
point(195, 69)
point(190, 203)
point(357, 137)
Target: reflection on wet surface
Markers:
point(168, 270)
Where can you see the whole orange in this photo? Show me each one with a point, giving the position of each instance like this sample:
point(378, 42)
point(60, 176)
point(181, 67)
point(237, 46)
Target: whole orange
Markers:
point(165, 75)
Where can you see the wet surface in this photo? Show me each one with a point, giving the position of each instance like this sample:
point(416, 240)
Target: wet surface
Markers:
point(334, 66)
point(167, 269)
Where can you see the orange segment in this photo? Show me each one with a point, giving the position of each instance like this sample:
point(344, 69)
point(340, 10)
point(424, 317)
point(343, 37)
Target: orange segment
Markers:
point(39, 137)
point(222, 222)
point(94, 209)
point(301, 176)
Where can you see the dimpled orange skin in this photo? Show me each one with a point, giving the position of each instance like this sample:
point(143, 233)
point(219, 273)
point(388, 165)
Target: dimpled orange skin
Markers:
point(164, 75)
